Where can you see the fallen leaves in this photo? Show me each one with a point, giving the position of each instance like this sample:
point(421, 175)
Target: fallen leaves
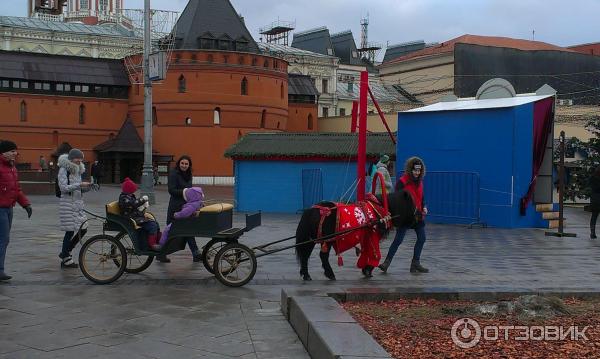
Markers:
point(421, 328)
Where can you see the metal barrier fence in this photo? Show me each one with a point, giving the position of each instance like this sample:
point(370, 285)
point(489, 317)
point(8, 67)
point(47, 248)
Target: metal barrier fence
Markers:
point(454, 196)
point(208, 180)
point(312, 187)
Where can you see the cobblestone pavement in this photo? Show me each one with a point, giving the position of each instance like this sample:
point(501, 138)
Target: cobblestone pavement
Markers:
point(178, 310)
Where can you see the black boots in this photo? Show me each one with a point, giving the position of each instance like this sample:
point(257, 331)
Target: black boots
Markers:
point(385, 265)
point(593, 233)
point(367, 271)
point(163, 259)
point(416, 267)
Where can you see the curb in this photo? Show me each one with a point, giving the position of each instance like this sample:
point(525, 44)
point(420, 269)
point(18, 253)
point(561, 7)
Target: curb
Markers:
point(327, 331)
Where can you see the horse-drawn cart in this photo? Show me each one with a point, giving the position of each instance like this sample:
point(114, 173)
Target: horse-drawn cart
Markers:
point(105, 257)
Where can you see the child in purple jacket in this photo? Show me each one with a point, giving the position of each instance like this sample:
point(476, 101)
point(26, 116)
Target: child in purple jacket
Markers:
point(193, 197)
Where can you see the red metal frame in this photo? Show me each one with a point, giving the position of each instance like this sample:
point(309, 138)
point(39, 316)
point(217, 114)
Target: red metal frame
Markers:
point(354, 116)
point(381, 116)
point(379, 176)
point(362, 135)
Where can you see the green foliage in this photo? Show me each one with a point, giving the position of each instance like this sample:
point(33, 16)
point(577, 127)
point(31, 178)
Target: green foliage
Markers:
point(578, 184)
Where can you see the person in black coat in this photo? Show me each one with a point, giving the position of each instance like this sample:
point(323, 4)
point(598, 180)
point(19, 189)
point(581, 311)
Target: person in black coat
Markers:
point(96, 172)
point(180, 178)
point(594, 201)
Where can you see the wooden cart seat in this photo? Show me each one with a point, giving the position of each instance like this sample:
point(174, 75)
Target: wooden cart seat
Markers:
point(113, 208)
point(215, 208)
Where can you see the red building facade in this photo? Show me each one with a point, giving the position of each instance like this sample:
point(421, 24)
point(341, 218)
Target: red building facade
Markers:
point(218, 87)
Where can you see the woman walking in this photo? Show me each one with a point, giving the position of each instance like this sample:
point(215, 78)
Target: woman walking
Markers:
point(411, 182)
point(70, 169)
point(10, 194)
point(594, 201)
point(180, 178)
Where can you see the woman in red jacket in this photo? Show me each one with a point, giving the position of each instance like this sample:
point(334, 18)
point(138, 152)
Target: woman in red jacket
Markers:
point(411, 182)
point(10, 193)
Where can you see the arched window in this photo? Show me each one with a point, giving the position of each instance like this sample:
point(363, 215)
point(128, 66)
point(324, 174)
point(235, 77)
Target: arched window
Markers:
point(310, 121)
point(263, 118)
point(181, 87)
point(23, 111)
point(154, 117)
point(281, 90)
point(244, 86)
point(266, 64)
point(81, 114)
point(217, 116)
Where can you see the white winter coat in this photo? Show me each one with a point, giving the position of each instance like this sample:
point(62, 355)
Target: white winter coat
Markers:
point(387, 180)
point(71, 200)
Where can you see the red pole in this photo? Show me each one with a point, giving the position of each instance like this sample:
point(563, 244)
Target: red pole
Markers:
point(354, 116)
point(381, 115)
point(362, 135)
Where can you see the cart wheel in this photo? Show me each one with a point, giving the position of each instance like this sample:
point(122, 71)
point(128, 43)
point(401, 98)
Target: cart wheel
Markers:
point(98, 256)
point(135, 263)
point(235, 265)
point(209, 252)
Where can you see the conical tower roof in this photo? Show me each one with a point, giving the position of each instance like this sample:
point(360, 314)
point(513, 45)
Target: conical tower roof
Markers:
point(213, 24)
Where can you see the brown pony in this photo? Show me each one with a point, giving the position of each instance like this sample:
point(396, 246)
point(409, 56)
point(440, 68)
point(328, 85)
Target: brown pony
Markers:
point(401, 208)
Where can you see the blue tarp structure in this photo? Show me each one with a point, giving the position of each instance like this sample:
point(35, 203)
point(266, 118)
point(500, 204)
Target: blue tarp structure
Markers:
point(479, 158)
point(281, 186)
point(287, 172)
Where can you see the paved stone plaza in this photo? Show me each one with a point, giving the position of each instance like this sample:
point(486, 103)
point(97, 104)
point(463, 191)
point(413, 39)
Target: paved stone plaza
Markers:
point(178, 310)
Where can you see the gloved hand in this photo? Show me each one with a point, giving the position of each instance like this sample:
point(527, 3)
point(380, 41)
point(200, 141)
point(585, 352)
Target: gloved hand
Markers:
point(28, 210)
point(145, 198)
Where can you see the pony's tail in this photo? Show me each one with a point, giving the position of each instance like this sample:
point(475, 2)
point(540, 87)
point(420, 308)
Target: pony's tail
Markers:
point(303, 234)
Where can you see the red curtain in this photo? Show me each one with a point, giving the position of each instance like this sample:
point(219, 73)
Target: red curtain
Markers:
point(543, 112)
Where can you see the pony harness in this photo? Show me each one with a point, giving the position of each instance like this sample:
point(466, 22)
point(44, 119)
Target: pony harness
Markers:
point(360, 223)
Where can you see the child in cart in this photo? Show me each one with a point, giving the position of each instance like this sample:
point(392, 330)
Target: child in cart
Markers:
point(194, 200)
point(135, 209)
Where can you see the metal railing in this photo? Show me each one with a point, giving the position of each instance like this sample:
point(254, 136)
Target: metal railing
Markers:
point(212, 180)
point(454, 196)
point(312, 187)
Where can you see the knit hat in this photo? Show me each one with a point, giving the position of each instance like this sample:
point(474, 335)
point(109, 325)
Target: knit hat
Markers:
point(128, 186)
point(6, 146)
point(384, 159)
point(75, 153)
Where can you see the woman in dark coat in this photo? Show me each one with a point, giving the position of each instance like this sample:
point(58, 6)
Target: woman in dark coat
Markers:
point(594, 201)
point(179, 179)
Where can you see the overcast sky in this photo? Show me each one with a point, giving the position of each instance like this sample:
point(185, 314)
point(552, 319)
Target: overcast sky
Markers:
point(559, 22)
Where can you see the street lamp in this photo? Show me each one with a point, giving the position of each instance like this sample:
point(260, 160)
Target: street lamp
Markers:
point(147, 170)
